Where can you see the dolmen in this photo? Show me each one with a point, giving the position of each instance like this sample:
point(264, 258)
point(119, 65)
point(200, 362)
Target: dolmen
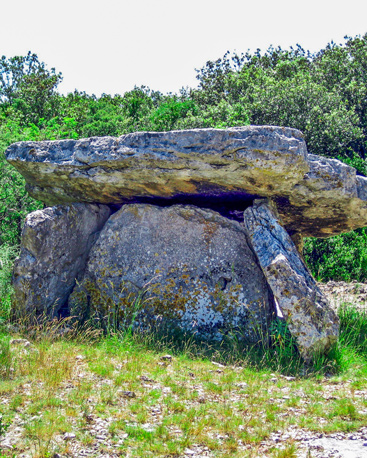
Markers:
point(200, 229)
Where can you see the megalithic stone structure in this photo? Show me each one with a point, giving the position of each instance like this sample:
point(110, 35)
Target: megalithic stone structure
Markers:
point(168, 182)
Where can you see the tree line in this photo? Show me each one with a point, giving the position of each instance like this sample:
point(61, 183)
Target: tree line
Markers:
point(323, 94)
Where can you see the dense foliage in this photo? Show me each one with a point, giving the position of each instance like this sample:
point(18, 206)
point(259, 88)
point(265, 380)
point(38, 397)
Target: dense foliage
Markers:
point(342, 257)
point(323, 94)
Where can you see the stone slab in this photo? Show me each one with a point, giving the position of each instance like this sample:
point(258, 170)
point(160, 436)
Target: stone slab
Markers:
point(311, 320)
point(212, 168)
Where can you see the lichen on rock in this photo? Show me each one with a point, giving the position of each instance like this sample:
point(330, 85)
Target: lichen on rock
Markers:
point(315, 196)
point(176, 248)
point(189, 266)
point(311, 320)
point(54, 247)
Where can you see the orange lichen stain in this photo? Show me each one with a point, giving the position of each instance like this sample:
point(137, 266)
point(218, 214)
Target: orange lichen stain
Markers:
point(184, 186)
point(168, 299)
point(134, 210)
point(210, 229)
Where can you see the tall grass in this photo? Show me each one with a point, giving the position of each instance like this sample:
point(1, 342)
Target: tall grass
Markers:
point(275, 350)
point(353, 328)
point(5, 358)
point(7, 255)
point(123, 375)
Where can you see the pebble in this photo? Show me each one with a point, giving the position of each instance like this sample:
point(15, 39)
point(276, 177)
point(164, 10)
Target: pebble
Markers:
point(144, 378)
point(127, 394)
point(6, 445)
point(166, 358)
point(218, 364)
point(69, 436)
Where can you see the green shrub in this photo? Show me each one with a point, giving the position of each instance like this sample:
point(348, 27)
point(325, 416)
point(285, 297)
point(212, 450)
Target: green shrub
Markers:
point(343, 257)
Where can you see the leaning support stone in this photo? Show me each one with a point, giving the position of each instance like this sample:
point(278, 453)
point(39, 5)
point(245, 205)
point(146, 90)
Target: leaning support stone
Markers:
point(310, 319)
point(54, 248)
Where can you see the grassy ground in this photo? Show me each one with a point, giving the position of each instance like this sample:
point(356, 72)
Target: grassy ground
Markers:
point(76, 393)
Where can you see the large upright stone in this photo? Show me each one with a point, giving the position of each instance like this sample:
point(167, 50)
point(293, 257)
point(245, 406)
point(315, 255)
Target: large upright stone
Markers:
point(310, 319)
point(54, 248)
point(193, 268)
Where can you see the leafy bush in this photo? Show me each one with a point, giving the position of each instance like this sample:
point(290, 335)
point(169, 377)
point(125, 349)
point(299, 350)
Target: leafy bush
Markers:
point(342, 257)
point(167, 114)
point(322, 94)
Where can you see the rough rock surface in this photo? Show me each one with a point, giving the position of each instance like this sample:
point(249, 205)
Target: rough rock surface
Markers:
point(194, 266)
point(315, 196)
point(311, 320)
point(54, 247)
point(341, 293)
point(329, 200)
point(162, 164)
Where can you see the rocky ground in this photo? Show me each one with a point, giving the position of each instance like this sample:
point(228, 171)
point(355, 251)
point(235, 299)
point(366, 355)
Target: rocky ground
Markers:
point(341, 292)
point(337, 445)
point(101, 444)
point(97, 440)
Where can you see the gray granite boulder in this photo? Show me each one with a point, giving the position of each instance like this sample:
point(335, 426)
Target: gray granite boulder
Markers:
point(54, 248)
point(191, 267)
point(315, 196)
point(310, 319)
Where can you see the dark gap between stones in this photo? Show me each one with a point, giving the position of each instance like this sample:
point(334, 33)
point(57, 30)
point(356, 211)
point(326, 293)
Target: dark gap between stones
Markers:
point(229, 205)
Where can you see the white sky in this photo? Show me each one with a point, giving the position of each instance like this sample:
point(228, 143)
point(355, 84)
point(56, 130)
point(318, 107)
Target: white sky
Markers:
point(112, 45)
